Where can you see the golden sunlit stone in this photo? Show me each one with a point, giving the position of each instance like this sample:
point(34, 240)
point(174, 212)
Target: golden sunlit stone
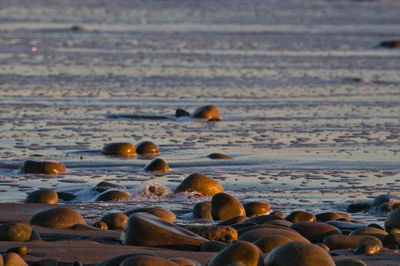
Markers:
point(207, 112)
point(43, 195)
point(224, 206)
point(157, 165)
point(115, 220)
point(114, 195)
point(147, 148)
point(17, 232)
point(256, 208)
point(161, 213)
point(43, 167)
point(238, 251)
point(219, 156)
point(300, 216)
point(268, 243)
point(57, 218)
point(119, 148)
point(200, 183)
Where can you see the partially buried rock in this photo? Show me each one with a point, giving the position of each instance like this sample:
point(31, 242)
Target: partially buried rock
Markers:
point(219, 156)
point(13, 259)
point(43, 195)
point(300, 216)
point(115, 220)
point(209, 112)
point(43, 167)
point(255, 234)
point(104, 185)
point(119, 149)
point(214, 232)
point(372, 231)
point(147, 148)
point(390, 44)
point(201, 184)
point(315, 231)
point(393, 219)
point(238, 251)
point(181, 112)
point(161, 213)
point(143, 229)
point(349, 242)
point(298, 253)
point(17, 232)
point(157, 165)
point(57, 218)
point(202, 210)
point(224, 206)
point(329, 216)
point(268, 243)
point(114, 195)
point(368, 249)
point(146, 260)
point(256, 208)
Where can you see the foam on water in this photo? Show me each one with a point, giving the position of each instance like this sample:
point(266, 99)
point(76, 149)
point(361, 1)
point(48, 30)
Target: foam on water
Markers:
point(150, 191)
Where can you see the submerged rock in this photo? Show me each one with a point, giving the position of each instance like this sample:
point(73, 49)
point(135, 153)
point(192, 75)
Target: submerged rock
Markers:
point(119, 149)
point(200, 183)
point(156, 211)
point(43, 167)
point(157, 165)
point(147, 148)
point(224, 206)
point(43, 195)
point(207, 112)
point(17, 232)
point(238, 251)
point(60, 217)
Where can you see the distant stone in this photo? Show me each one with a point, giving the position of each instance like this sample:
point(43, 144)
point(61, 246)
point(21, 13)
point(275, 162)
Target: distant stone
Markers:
point(43, 195)
point(358, 207)
point(114, 195)
point(372, 231)
point(146, 260)
point(393, 44)
point(315, 231)
point(368, 249)
point(349, 241)
point(268, 243)
point(201, 184)
point(393, 219)
point(207, 112)
point(300, 216)
point(202, 210)
point(161, 213)
point(13, 259)
point(350, 262)
point(214, 232)
point(115, 220)
point(78, 28)
point(262, 219)
point(105, 184)
point(60, 217)
point(17, 232)
point(212, 246)
point(181, 112)
point(219, 156)
point(224, 206)
point(256, 208)
point(157, 165)
point(147, 148)
point(329, 216)
point(298, 253)
point(238, 251)
point(43, 167)
point(119, 149)
point(143, 229)
point(65, 196)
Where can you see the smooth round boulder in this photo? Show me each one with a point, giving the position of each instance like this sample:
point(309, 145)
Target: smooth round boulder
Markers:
point(299, 254)
point(13, 259)
point(224, 206)
point(349, 242)
point(391, 239)
point(17, 232)
point(278, 213)
point(43, 195)
point(393, 220)
point(209, 112)
point(146, 260)
point(143, 229)
point(201, 184)
point(256, 208)
point(161, 213)
point(315, 231)
point(57, 218)
point(255, 234)
point(219, 156)
point(214, 232)
point(262, 219)
point(115, 220)
point(234, 220)
point(119, 149)
point(372, 231)
point(212, 246)
point(43, 167)
point(147, 148)
point(367, 249)
point(300, 216)
point(330, 216)
point(238, 251)
point(114, 195)
point(268, 243)
point(184, 262)
point(346, 226)
point(350, 262)
point(104, 185)
point(157, 165)
point(202, 210)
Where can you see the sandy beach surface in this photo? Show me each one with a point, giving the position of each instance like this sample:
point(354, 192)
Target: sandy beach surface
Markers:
point(309, 104)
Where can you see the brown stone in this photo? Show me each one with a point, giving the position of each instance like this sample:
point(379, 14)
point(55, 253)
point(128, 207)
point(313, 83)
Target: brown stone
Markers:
point(262, 219)
point(156, 211)
point(278, 213)
point(300, 216)
point(114, 195)
point(224, 206)
point(349, 242)
point(207, 112)
point(372, 231)
point(147, 148)
point(393, 219)
point(17, 232)
point(157, 165)
point(238, 251)
point(201, 184)
point(13, 259)
point(43, 167)
point(119, 149)
point(256, 208)
point(115, 220)
point(202, 210)
point(234, 220)
point(219, 156)
point(214, 232)
point(268, 243)
point(43, 195)
point(146, 260)
point(212, 246)
point(258, 233)
point(315, 231)
point(60, 217)
point(368, 249)
point(350, 262)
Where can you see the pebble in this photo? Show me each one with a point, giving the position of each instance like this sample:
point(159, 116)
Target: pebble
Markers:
point(224, 206)
point(201, 184)
point(157, 165)
point(238, 251)
point(60, 217)
point(43, 195)
point(119, 149)
point(43, 167)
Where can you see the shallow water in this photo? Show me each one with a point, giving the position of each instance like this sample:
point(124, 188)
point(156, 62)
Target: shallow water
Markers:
point(303, 131)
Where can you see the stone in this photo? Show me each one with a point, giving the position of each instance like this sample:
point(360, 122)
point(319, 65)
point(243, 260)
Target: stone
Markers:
point(278, 213)
point(119, 149)
point(202, 210)
point(392, 44)
point(300, 216)
point(21, 250)
point(268, 243)
point(43, 195)
point(372, 231)
point(60, 217)
point(157, 165)
point(156, 211)
point(315, 231)
point(104, 185)
point(143, 229)
point(201, 184)
point(219, 156)
point(114, 195)
point(214, 232)
point(300, 254)
point(393, 219)
point(349, 241)
point(212, 246)
point(13, 259)
point(367, 249)
point(115, 220)
point(258, 233)
point(280, 223)
point(116, 261)
point(17, 232)
point(381, 199)
point(184, 262)
point(224, 206)
point(330, 216)
point(146, 260)
point(238, 251)
point(181, 112)
point(256, 208)
point(358, 207)
point(234, 220)
point(147, 148)
point(345, 226)
point(101, 225)
point(65, 196)
point(82, 227)
point(262, 219)
point(209, 112)
point(350, 262)
point(391, 239)
point(43, 167)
